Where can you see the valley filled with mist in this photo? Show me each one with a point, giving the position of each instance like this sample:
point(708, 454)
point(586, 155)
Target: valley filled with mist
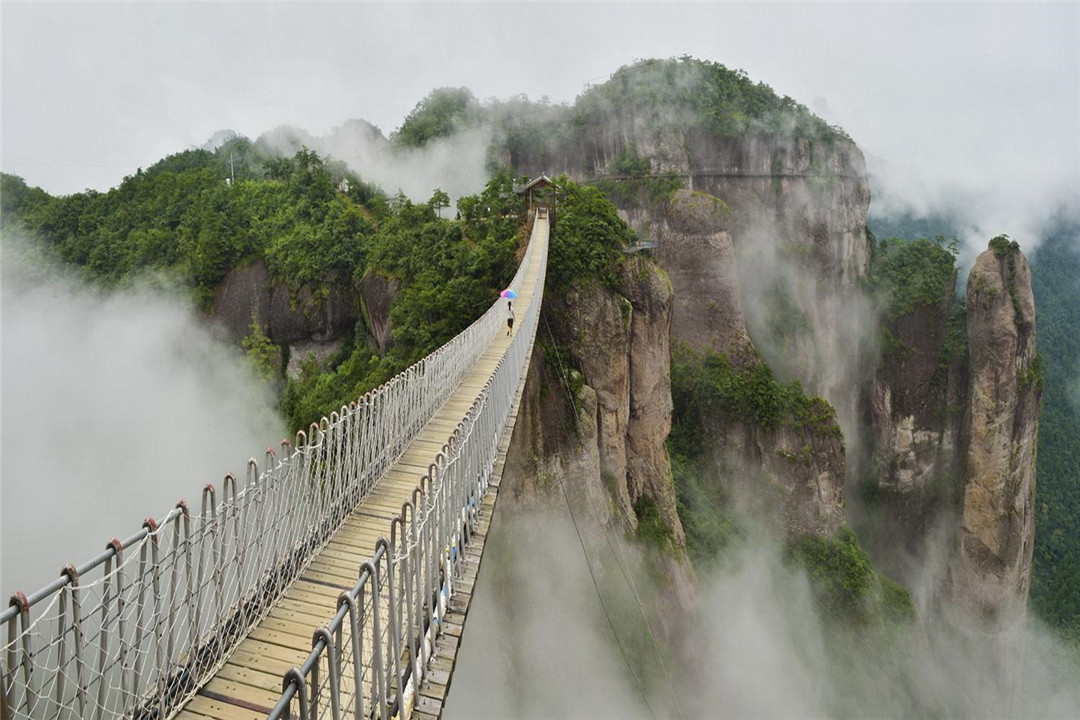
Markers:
point(799, 432)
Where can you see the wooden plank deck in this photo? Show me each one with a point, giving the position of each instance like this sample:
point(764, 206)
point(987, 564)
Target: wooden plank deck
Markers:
point(249, 685)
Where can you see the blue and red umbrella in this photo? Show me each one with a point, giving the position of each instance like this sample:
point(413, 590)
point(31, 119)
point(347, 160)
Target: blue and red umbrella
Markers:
point(508, 293)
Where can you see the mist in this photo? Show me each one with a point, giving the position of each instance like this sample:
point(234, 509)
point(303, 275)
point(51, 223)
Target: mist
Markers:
point(540, 645)
point(116, 404)
point(537, 645)
point(820, 333)
point(455, 164)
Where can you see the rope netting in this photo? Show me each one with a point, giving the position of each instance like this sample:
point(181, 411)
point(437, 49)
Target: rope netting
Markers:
point(135, 631)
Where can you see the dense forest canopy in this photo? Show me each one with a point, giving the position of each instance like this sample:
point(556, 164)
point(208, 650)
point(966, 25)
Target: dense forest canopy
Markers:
point(1055, 280)
point(442, 113)
point(684, 92)
point(701, 94)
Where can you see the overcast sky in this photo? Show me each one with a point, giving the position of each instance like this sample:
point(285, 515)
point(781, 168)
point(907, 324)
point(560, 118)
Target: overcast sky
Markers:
point(978, 98)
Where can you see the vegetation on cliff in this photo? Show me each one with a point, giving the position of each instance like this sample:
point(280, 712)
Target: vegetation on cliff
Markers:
point(685, 93)
point(708, 392)
point(442, 113)
point(845, 582)
point(587, 240)
point(184, 216)
point(708, 386)
point(906, 274)
point(705, 95)
point(315, 224)
point(449, 273)
point(632, 181)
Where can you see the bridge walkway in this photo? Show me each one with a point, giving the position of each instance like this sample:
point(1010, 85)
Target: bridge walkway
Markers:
point(249, 684)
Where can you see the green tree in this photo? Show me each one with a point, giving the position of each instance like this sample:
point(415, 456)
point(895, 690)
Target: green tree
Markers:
point(440, 114)
point(587, 240)
point(262, 354)
point(438, 201)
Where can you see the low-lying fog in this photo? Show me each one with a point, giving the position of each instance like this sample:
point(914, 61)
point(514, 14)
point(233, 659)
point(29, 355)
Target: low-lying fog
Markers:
point(115, 406)
point(538, 645)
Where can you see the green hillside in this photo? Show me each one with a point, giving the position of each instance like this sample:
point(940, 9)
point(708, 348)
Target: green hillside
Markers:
point(1055, 277)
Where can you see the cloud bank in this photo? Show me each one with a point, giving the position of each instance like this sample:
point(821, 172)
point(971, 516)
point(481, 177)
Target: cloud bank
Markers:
point(536, 645)
point(116, 404)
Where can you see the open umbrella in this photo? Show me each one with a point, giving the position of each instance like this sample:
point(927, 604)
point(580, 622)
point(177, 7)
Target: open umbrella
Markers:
point(508, 293)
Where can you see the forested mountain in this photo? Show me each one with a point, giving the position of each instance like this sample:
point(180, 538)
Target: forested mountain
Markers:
point(317, 228)
point(1055, 590)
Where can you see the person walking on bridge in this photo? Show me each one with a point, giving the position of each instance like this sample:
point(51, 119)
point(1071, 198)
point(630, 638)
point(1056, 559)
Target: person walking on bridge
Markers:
point(509, 317)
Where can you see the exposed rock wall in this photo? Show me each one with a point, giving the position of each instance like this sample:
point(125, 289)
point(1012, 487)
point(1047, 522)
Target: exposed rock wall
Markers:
point(377, 294)
point(797, 228)
point(249, 292)
point(792, 476)
point(648, 469)
point(915, 404)
point(621, 344)
point(311, 325)
point(554, 462)
point(991, 573)
point(695, 248)
point(766, 252)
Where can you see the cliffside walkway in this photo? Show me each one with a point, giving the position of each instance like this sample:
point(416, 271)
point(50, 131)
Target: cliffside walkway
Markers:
point(332, 582)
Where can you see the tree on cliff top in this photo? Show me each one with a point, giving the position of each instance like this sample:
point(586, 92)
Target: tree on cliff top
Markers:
point(587, 240)
point(443, 112)
point(700, 94)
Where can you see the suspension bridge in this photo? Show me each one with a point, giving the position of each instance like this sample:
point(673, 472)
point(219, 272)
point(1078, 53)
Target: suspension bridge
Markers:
point(332, 580)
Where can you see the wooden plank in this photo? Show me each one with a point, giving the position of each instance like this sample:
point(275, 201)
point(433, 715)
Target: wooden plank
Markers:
point(187, 714)
point(227, 690)
point(427, 706)
point(253, 678)
point(222, 711)
point(435, 691)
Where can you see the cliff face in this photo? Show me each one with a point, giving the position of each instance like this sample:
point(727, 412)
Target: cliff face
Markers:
point(249, 291)
point(594, 440)
point(916, 404)
point(795, 475)
point(767, 255)
point(695, 247)
point(765, 247)
point(620, 342)
point(310, 324)
point(991, 570)
point(377, 294)
point(796, 229)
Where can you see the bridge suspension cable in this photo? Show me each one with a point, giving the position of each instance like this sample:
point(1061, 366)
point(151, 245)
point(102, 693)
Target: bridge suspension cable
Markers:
point(620, 559)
